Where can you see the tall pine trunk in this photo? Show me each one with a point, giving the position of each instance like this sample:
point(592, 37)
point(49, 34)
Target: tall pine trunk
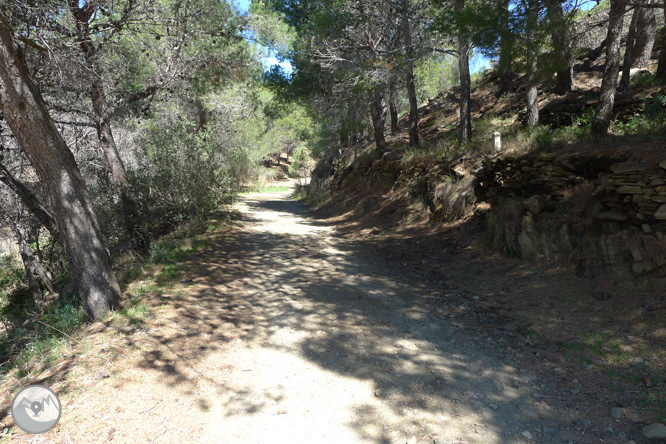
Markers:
point(562, 47)
point(602, 116)
point(646, 31)
point(465, 130)
point(532, 53)
point(378, 115)
point(393, 107)
point(102, 116)
point(36, 134)
point(661, 69)
point(625, 80)
point(507, 40)
point(409, 76)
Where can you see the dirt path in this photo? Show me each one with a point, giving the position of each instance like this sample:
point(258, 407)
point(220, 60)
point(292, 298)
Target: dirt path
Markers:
point(289, 334)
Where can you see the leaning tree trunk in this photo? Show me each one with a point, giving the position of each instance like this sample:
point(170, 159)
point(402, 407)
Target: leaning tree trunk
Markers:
point(393, 107)
point(30, 201)
point(625, 80)
point(36, 134)
point(409, 76)
point(30, 263)
point(646, 31)
point(532, 91)
point(102, 116)
point(378, 115)
point(562, 47)
point(505, 50)
point(465, 130)
point(602, 116)
point(661, 69)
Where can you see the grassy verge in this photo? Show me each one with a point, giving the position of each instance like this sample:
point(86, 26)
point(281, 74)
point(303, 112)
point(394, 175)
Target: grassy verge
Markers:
point(31, 343)
point(313, 196)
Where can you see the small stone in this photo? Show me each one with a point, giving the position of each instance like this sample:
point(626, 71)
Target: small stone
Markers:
point(629, 167)
point(661, 213)
point(535, 204)
point(655, 431)
point(589, 367)
point(549, 430)
point(493, 406)
point(616, 413)
point(615, 216)
point(629, 189)
point(102, 373)
point(527, 434)
point(568, 436)
point(638, 363)
point(575, 391)
point(575, 381)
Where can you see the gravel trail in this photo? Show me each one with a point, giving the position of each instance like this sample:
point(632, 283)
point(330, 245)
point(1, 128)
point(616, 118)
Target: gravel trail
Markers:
point(281, 331)
point(336, 348)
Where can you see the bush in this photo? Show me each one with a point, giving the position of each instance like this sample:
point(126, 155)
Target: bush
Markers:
point(298, 167)
point(313, 195)
point(183, 175)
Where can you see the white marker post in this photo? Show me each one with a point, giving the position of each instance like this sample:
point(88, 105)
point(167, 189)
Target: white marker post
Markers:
point(497, 143)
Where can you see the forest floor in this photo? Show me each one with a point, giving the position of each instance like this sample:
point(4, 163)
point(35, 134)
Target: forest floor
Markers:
point(286, 330)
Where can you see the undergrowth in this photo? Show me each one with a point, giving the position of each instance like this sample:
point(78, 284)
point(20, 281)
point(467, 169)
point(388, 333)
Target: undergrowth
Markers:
point(32, 341)
point(312, 195)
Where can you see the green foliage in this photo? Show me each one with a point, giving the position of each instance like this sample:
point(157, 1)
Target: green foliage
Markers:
point(183, 176)
point(275, 189)
point(433, 75)
point(312, 195)
point(299, 165)
point(655, 107)
point(44, 339)
point(643, 80)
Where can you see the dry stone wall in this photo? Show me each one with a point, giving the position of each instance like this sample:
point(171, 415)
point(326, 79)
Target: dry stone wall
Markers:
point(607, 215)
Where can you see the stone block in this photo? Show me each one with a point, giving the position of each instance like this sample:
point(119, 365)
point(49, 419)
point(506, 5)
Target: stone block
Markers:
point(629, 189)
point(629, 167)
point(660, 214)
point(613, 215)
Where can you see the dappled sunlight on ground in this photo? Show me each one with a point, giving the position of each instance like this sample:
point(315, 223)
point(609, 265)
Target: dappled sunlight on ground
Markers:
point(283, 332)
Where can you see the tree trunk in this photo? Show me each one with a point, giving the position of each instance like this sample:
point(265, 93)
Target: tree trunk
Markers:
point(129, 207)
point(36, 134)
point(532, 52)
point(30, 201)
point(625, 80)
point(393, 107)
point(28, 262)
point(378, 114)
point(98, 98)
point(506, 50)
point(661, 69)
point(409, 76)
point(562, 47)
point(602, 116)
point(646, 31)
point(465, 130)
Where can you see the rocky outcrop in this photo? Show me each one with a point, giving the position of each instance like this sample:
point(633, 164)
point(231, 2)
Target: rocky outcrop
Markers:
point(606, 214)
